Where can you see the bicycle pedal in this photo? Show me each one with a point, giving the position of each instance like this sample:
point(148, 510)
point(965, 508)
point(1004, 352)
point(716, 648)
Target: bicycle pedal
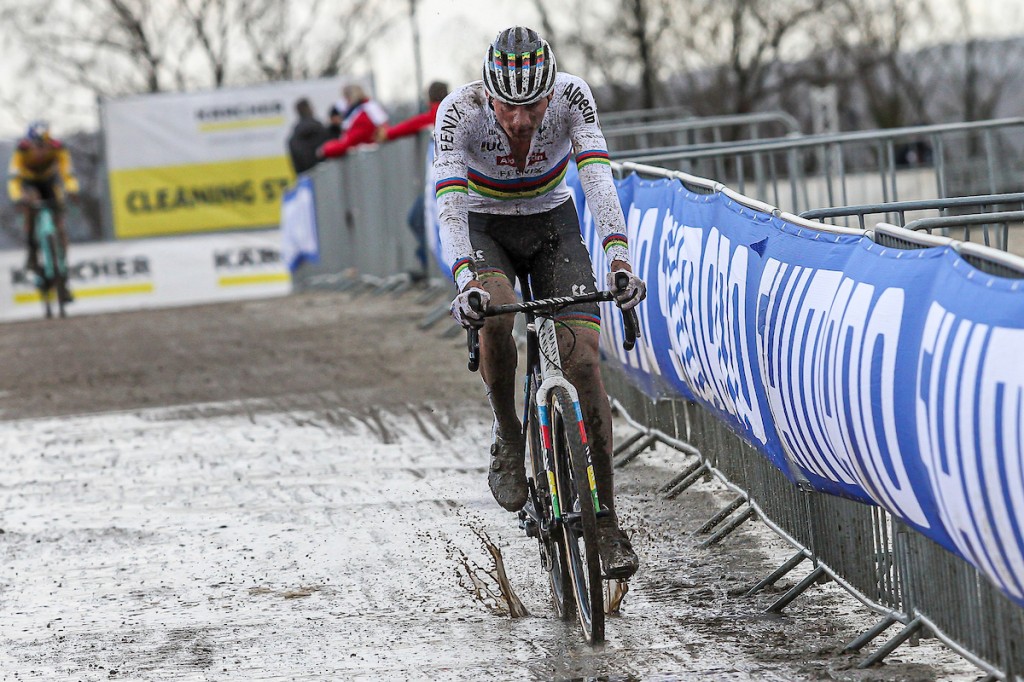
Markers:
point(528, 524)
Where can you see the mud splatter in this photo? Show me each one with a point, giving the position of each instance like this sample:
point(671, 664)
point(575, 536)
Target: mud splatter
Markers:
point(614, 592)
point(489, 586)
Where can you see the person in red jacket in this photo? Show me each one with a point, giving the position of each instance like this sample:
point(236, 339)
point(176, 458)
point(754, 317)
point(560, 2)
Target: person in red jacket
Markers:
point(359, 125)
point(412, 125)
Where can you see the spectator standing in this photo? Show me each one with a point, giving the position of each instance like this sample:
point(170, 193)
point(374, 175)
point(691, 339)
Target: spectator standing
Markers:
point(307, 136)
point(423, 121)
point(359, 123)
point(334, 122)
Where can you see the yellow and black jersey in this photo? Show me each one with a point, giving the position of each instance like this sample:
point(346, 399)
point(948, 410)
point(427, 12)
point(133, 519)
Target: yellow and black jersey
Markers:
point(40, 163)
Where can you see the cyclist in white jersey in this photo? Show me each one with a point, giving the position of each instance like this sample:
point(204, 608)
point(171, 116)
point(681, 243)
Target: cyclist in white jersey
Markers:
point(502, 145)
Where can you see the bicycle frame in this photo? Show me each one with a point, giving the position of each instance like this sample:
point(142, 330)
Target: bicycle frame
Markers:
point(43, 228)
point(52, 270)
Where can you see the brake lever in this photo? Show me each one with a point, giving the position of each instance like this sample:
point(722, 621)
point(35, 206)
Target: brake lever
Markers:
point(473, 334)
point(630, 322)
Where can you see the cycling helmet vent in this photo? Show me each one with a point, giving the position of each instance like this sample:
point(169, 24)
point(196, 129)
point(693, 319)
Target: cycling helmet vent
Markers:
point(519, 67)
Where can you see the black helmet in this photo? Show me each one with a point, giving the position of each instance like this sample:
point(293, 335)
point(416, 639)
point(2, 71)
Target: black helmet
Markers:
point(519, 67)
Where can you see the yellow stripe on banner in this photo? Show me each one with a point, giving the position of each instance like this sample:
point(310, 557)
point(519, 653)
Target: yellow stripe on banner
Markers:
point(275, 121)
point(199, 197)
point(243, 280)
point(93, 292)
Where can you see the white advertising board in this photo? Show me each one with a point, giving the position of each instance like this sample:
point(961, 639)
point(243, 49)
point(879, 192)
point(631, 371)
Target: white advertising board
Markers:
point(204, 161)
point(153, 273)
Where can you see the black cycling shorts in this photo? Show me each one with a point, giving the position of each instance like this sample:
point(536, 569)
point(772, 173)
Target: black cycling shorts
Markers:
point(47, 190)
point(545, 247)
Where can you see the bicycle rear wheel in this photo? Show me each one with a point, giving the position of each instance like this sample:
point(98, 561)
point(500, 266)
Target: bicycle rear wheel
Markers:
point(579, 519)
point(552, 548)
point(56, 272)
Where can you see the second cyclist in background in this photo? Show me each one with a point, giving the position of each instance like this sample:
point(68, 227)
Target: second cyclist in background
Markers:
point(502, 147)
point(41, 170)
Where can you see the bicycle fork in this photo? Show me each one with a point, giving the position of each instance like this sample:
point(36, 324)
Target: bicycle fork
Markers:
point(553, 378)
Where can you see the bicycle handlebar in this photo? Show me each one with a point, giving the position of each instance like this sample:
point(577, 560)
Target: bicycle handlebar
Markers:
point(630, 322)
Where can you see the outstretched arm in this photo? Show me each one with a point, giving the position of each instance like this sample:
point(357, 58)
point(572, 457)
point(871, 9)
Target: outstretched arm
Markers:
point(452, 190)
point(595, 171)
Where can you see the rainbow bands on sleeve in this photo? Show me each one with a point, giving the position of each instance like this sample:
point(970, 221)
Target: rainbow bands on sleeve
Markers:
point(614, 240)
point(450, 185)
point(592, 156)
point(460, 266)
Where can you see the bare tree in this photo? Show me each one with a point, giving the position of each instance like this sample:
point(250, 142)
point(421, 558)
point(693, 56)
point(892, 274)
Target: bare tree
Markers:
point(279, 38)
point(623, 45)
point(976, 74)
point(719, 53)
point(109, 46)
point(114, 47)
point(872, 37)
point(210, 21)
point(735, 49)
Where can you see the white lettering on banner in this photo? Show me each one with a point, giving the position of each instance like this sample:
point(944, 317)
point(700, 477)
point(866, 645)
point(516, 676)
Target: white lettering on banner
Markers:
point(708, 322)
point(229, 259)
point(640, 234)
point(795, 377)
point(970, 422)
point(88, 271)
point(612, 332)
point(828, 348)
point(669, 287)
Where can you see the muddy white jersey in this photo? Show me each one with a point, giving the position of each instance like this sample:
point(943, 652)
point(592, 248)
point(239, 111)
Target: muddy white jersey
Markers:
point(474, 169)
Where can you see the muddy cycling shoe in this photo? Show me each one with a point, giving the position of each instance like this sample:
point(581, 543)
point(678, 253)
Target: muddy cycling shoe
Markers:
point(64, 294)
point(618, 560)
point(507, 475)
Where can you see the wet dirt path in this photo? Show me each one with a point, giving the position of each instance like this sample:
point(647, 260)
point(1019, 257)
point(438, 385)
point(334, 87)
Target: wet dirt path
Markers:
point(311, 536)
point(321, 544)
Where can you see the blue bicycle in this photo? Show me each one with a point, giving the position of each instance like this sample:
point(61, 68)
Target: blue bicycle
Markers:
point(51, 271)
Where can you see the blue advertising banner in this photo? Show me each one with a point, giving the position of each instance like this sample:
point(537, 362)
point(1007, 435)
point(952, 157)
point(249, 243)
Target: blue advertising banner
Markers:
point(884, 375)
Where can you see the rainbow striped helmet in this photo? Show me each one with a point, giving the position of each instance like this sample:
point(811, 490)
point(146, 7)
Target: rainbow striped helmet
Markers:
point(519, 67)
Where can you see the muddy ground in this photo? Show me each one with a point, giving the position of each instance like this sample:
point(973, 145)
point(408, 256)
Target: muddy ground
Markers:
point(295, 489)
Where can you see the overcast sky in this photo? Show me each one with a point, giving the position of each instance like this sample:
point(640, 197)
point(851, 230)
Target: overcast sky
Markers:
point(454, 35)
point(453, 40)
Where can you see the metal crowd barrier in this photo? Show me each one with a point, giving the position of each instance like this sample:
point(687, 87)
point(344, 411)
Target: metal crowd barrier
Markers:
point(870, 167)
point(362, 201)
point(638, 116)
point(986, 222)
point(915, 587)
point(625, 141)
point(906, 579)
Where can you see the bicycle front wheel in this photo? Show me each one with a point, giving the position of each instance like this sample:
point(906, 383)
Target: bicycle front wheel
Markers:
point(552, 547)
point(579, 527)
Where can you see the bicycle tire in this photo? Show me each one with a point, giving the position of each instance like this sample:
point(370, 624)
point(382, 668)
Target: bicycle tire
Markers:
point(57, 281)
point(559, 577)
point(580, 529)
